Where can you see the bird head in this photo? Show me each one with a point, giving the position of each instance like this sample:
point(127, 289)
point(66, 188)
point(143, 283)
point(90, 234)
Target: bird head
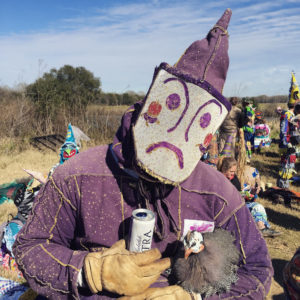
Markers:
point(193, 243)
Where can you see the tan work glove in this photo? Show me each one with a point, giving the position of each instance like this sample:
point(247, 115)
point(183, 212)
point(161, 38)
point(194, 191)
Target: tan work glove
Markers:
point(120, 271)
point(172, 292)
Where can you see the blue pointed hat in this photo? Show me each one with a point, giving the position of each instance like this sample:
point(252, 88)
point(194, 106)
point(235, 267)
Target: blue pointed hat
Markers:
point(69, 148)
point(70, 135)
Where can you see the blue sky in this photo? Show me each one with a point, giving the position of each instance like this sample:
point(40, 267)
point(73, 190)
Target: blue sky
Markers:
point(123, 41)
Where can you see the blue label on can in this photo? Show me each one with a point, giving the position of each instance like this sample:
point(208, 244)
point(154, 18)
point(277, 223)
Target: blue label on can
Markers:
point(141, 214)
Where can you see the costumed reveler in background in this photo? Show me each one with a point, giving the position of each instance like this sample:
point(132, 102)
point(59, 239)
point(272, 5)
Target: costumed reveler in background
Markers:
point(211, 155)
point(289, 136)
point(261, 133)
point(67, 150)
point(248, 128)
point(229, 130)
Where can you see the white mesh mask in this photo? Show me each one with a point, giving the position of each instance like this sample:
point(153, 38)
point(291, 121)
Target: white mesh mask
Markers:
point(175, 127)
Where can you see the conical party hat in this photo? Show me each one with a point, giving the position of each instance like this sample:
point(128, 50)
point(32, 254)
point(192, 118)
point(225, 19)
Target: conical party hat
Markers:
point(69, 148)
point(207, 59)
point(227, 150)
point(294, 91)
point(70, 135)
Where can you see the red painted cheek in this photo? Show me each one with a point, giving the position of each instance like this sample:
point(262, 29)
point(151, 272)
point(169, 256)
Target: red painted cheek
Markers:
point(154, 109)
point(207, 140)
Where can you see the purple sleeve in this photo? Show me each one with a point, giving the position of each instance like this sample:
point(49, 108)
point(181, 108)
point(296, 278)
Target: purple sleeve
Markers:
point(255, 270)
point(43, 246)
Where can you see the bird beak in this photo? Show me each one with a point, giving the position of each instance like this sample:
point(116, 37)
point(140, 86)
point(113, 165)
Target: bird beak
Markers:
point(187, 253)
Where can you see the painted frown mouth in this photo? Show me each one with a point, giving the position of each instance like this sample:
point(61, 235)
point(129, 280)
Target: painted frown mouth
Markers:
point(70, 154)
point(170, 147)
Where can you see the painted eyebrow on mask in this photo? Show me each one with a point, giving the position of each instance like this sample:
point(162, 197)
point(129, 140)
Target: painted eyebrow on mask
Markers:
point(199, 109)
point(186, 92)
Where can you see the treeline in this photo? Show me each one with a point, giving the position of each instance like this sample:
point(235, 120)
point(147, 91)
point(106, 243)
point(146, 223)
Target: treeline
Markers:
point(73, 95)
point(268, 99)
point(58, 97)
point(131, 97)
point(127, 98)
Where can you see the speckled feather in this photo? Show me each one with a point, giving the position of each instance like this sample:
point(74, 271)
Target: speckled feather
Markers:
point(211, 271)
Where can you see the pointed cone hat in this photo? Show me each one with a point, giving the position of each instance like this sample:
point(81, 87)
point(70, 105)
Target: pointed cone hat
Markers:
point(227, 150)
point(207, 59)
point(294, 95)
point(70, 135)
point(69, 145)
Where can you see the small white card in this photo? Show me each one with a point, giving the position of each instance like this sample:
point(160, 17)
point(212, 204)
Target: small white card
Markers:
point(198, 225)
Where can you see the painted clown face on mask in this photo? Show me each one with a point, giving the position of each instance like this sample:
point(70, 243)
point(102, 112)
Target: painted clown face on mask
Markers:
point(67, 151)
point(175, 126)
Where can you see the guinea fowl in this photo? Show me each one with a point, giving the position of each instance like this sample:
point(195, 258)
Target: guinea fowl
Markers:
point(210, 262)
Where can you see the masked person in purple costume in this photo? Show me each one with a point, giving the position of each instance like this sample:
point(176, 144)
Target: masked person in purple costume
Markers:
point(72, 245)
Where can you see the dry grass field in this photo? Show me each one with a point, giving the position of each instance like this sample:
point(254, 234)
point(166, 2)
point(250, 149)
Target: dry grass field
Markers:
point(286, 220)
point(12, 168)
point(281, 218)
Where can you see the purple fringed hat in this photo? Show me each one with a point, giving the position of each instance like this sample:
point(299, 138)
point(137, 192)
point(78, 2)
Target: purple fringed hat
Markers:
point(183, 108)
point(207, 59)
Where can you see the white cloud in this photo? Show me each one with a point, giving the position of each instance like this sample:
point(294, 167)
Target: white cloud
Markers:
point(123, 44)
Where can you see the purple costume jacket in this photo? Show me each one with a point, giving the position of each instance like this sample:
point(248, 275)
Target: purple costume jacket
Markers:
point(87, 203)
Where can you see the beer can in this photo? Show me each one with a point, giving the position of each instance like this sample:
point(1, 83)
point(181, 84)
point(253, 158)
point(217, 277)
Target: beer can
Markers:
point(142, 226)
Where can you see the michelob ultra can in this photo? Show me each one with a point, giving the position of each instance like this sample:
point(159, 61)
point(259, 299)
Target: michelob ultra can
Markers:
point(142, 226)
